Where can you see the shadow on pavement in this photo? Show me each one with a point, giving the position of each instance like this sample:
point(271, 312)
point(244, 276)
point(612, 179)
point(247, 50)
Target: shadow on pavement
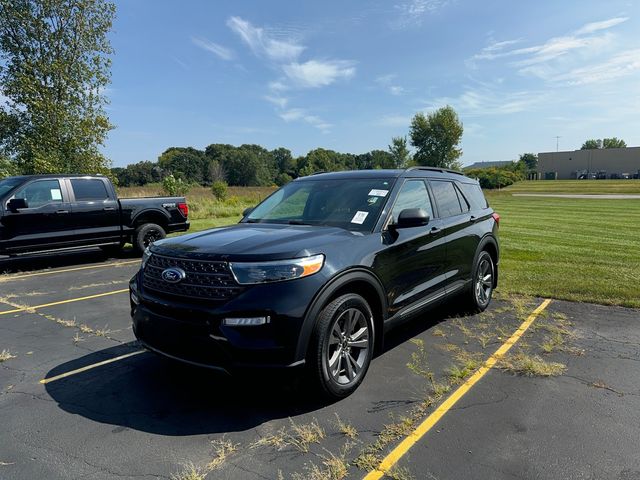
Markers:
point(61, 259)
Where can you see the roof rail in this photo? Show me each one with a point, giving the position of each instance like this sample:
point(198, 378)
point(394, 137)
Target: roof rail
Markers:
point(434, 169)
point(317, 173)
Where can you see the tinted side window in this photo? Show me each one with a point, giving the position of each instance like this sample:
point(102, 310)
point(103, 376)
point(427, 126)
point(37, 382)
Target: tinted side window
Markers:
point(473, 194)
point(89, 189)
point(464, 203)
point(446, 198)
point(40, 193)
point(413, 195)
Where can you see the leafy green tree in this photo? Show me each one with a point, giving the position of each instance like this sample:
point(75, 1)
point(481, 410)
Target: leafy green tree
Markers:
point(284, 161)
point(436, 137)
point(246, 166)
point(530, 160)
point(187, 163)
point(399, 151)
point(54, 71)
point(173, 186)
point(591, 144)
point(613, 143)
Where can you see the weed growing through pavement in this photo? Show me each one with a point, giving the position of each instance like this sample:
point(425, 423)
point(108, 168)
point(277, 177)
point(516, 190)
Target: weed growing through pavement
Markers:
point(6, 355)
point(530, 365)
point(346, 428)
point(190, 472)
point(222, 449)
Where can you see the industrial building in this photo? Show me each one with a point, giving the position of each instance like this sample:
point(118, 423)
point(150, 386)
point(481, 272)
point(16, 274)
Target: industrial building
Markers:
point(589, 164)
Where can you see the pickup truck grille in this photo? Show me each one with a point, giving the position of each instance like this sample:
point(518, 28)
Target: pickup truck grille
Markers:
point(207, 280)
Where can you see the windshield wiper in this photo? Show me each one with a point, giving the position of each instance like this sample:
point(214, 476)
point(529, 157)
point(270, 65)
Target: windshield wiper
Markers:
point(297, 222)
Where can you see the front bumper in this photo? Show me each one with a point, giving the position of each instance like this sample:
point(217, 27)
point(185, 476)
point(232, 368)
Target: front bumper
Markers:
point(193, 332)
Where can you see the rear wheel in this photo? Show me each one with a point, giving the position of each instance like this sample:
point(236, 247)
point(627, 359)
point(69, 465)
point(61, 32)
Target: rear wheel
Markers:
point(482, 282)
point(342, 346)
point(146, 234)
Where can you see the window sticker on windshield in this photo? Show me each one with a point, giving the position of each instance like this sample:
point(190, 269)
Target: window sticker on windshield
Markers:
point(359, 217)
point(56, 194)
point(372, 200)
point(378, 193)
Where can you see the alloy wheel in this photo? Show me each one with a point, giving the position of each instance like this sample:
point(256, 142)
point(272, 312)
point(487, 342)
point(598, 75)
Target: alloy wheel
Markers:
point(348, 348)
point(484, 281)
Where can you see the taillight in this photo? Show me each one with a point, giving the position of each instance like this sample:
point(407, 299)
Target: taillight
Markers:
point(496, 217)
point(184, 209)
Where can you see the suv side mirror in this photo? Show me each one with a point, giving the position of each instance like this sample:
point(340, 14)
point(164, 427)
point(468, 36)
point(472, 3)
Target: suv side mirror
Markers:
point(17, 203)
point(247, 211)
point(412, 217)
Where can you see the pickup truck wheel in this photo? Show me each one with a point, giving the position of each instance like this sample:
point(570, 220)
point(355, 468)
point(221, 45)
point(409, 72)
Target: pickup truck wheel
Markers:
point(146, 234)
point(342, 346)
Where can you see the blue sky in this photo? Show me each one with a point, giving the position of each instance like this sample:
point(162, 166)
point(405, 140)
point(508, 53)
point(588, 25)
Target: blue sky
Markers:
point(349, 75)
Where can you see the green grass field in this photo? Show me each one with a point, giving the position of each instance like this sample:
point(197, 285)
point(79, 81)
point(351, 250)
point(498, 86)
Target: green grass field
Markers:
point(572, 249)
point(576, 186)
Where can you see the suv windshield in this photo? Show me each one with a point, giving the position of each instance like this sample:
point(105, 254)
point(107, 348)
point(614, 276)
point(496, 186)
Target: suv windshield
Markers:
point(7, 184)
point(353, 204)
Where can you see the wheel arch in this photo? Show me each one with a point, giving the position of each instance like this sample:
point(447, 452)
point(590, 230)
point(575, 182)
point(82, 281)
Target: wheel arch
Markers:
point(156, 216)
point(359, 281)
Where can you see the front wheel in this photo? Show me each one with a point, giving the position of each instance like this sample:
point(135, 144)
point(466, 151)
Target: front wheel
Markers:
point(342, 346)
point(146, 234)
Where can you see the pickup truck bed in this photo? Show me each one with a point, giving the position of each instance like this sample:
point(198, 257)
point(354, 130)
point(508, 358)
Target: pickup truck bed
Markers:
point(50, 212)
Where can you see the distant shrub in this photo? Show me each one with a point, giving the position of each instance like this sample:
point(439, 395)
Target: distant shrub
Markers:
point(219, 189)
point(491, 178)
point(173, 186)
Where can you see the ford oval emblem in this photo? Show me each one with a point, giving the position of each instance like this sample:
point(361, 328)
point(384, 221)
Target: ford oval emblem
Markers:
point(173, 275)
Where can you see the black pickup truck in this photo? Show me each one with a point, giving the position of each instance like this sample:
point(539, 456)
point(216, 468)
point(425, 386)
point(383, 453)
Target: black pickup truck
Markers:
point(50, 212)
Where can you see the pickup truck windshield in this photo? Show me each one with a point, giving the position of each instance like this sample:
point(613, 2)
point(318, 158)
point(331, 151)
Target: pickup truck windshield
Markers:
point(8, 184)
point(353, 204)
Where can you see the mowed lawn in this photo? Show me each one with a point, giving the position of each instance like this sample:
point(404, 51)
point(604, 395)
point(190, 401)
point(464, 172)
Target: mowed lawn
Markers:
point(574, 249)
point(576, 186)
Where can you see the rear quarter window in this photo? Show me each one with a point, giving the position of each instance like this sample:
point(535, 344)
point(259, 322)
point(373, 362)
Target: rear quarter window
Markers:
point(473, 193)
point(86, 189)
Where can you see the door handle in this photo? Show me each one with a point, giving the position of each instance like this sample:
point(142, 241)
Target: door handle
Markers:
point(473, 218)
point(109, 209)
point(62, 211)
point(435, 230)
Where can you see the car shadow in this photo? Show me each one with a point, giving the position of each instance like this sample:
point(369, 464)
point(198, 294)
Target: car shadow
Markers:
point(61, 259)
point(149, 393)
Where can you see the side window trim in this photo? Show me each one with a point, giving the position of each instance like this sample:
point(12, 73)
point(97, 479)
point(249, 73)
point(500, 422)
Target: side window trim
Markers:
point(462, 198)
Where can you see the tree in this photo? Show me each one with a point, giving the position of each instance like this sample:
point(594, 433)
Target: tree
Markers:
point(399, 151)
point(530, 160)
point(187, 163)
point(613, 143)
point(591, 144)
point(436, 138)
point(54, 72)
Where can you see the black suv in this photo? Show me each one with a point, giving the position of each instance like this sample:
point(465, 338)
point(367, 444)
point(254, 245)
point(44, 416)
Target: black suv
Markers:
point(316, 273)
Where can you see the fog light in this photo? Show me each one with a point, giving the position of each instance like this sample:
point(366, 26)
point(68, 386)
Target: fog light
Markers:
point(134, 298)
point(245, 321)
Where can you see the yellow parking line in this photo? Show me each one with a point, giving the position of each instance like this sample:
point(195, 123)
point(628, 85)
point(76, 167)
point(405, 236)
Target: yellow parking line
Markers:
point(415, 436)
point(75, 269)
point(62, 302)
point(89, 367)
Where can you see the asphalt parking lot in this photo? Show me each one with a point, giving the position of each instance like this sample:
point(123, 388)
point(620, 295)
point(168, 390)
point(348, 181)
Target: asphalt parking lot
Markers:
point(80, 399)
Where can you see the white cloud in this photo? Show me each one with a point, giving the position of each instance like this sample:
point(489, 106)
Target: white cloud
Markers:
point(396, 90)
point(620, 65)
point(394, 121)
point(318, 73)
point(220, 51)
point(278, 86)
point(603, 25)
point(262, 44)
point(483, 101)
point(412, 12)
point(277, 100)
point(300, 114)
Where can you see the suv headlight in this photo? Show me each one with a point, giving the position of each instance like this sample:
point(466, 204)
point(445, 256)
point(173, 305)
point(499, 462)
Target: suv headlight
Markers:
point(145, 256)
point(277, 271)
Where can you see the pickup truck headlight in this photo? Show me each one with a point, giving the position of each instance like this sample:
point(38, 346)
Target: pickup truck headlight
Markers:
point(145, 256)
point(277, 271)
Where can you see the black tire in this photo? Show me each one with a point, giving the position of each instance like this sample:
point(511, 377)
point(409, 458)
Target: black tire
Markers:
point(482, 282)
point(145, 235)
point(341, 346)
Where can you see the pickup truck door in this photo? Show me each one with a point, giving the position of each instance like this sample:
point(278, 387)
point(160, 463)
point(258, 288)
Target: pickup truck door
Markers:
point(95, 211)
point(45, 221)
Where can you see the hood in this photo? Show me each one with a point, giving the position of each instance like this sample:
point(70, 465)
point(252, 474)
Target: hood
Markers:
point(254, 242)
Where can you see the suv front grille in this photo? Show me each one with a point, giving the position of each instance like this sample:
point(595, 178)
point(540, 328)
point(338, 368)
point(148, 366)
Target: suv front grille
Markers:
point(207, 280)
